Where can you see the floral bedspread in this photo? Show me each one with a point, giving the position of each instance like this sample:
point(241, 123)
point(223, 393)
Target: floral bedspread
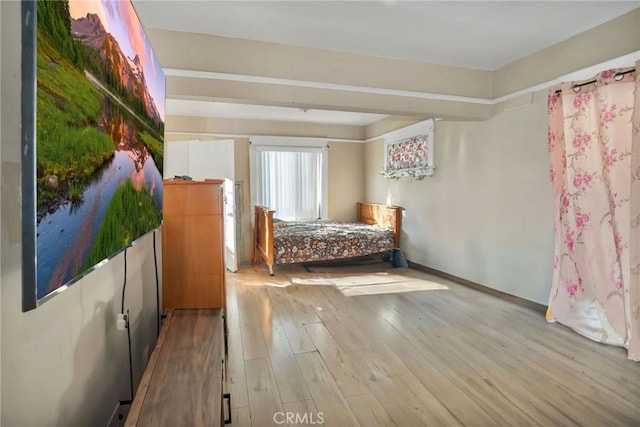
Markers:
point(320, 241)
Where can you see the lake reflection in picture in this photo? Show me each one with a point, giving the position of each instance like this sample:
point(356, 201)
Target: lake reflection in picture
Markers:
point(99, 137)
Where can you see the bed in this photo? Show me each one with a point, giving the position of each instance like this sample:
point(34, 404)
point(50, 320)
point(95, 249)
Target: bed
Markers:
point(283, 242)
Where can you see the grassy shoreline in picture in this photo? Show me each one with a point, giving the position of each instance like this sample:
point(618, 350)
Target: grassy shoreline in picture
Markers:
point(154, 146)
point(70, 145)
point(117, 230)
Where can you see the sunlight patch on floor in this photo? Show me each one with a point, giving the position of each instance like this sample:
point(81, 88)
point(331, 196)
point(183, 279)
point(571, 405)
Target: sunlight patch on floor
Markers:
point(371, 284)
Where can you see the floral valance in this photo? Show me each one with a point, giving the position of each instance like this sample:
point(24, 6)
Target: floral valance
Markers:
point(410, 156)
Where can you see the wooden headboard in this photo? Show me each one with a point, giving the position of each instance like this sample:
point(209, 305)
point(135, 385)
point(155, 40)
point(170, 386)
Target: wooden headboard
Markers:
point(389, 217)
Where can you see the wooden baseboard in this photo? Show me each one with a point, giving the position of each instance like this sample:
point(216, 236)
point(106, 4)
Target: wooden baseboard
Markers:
point(515, 299)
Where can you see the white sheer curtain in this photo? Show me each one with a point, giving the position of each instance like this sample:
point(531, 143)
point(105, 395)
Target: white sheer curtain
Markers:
point(291, 183)
point(290, 176)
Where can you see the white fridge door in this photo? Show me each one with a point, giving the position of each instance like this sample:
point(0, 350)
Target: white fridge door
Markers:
point(230, 226)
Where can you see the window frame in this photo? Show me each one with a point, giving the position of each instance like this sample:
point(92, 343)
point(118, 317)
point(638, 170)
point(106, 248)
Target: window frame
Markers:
point(288, 144)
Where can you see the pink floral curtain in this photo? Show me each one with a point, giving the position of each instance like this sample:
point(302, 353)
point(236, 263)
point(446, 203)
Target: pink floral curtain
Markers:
point(594, 147)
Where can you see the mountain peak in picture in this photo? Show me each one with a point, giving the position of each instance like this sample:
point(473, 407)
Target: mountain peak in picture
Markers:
point(127, 73)
point(89, 29)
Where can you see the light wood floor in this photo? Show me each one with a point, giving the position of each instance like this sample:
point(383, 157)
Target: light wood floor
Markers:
point(441, 357)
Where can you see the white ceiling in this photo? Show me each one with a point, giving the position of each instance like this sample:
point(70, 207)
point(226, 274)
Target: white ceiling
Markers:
point(470, 34)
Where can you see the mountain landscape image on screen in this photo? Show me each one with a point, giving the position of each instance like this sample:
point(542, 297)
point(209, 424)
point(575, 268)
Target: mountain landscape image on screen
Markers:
point(99, 136)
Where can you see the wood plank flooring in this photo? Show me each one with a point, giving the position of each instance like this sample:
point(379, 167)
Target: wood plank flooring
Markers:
point(307, 354)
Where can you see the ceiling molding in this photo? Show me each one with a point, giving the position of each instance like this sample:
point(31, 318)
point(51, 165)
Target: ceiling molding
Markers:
point(376, 130)
point(247, 136)
point(209, 75)
point(623, 61)
point(583, 74)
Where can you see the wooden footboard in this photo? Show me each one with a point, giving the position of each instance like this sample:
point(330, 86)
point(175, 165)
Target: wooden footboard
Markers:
point(263, 237)
point(389, 217)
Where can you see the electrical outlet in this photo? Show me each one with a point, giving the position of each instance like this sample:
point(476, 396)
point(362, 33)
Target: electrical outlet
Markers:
point(121, 322)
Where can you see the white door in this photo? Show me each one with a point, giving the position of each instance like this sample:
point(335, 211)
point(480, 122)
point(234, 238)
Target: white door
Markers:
point(230, 226)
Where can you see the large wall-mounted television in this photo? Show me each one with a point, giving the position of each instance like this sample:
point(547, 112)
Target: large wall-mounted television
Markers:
point(93, 101)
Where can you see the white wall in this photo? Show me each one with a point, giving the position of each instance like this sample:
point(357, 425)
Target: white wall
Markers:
point(346, 183)
point(64, 363)
point(486, 215)
point(200, 159)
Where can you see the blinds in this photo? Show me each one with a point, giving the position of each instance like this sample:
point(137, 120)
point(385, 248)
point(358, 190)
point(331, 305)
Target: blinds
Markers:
point(290, 182)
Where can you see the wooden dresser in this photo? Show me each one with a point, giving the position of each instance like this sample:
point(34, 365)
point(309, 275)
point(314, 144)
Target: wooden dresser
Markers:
point(193, 245)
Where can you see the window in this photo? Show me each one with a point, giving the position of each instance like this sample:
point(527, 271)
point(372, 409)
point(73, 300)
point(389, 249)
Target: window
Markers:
point(289, 175)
